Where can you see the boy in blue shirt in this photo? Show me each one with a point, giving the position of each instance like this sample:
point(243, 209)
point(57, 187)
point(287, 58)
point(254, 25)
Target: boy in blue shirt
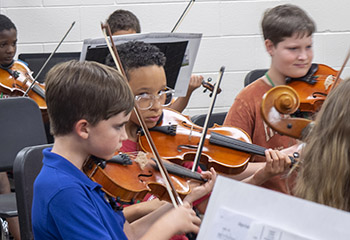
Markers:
point(89, 105)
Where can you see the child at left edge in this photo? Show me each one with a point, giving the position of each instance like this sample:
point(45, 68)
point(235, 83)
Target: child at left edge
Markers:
point(8, 47)
point(66, 203)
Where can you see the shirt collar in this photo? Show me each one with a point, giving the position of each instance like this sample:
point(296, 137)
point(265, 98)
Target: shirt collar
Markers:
point(61, 164)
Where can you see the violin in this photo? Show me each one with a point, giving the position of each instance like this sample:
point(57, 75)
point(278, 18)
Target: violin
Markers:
point(314, 87)
point(16, 79)
point(306, 95)
point(129, 177)
point(177, 138)
point(277, 105)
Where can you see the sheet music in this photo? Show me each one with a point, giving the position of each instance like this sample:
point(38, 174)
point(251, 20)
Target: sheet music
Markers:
point(240, 211)
point(261, 231)
point(230, 225)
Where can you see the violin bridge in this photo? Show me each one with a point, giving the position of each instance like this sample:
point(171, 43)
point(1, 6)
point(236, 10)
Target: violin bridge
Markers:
point(141, 159)
point(93, 172)
point(329, 81)
point(190, 135)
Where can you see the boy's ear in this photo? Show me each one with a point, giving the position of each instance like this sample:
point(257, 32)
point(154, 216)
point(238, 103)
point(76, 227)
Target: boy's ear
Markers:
point(82, 128)
point(269, 46)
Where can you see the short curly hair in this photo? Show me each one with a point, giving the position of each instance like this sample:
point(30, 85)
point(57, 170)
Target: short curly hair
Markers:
point(6, 23)
point(123, 20)
point(136, 54)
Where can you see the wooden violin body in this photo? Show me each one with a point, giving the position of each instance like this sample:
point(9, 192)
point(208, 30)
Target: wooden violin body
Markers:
point(177, 138)
point(15, 80)
point(129, 177)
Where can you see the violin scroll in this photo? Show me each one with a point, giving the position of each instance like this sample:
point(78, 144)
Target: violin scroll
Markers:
point(305, 94)
point(276, 106)
point(208, 86)
point(286, 100)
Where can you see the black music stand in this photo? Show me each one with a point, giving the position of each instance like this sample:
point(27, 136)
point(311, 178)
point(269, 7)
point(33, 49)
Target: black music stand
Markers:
point(180, 50)
point(36, 60)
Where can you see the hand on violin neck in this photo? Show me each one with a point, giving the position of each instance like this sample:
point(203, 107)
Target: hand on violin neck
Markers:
point(195, 82)
point(200, 191)
point(277, 163)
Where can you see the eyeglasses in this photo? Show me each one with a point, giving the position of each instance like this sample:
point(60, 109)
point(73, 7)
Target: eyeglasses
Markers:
point(145, 101)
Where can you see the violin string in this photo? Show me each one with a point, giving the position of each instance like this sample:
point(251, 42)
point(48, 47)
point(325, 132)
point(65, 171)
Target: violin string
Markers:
point(190, 135)
point(249, 146)
point(171, 167)
point(238, 144)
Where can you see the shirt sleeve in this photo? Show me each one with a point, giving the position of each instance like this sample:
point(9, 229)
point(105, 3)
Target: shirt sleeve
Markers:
point(75, 215)
point(241, 115)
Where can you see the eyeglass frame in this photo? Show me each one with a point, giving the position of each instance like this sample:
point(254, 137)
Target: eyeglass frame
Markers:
point(153, 97)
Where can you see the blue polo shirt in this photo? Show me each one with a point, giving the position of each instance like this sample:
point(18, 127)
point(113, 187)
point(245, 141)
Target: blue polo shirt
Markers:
point(68, 205)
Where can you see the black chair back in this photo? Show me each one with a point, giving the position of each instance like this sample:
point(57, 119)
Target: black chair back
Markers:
point(217, 118)
point(21, 125)
point(254, 75)
point(26, 167)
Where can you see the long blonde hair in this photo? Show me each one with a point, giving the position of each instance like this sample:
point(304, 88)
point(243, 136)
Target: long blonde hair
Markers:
point(324, 175)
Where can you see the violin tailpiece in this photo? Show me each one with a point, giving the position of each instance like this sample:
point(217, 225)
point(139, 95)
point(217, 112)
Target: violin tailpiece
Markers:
point(167, 129)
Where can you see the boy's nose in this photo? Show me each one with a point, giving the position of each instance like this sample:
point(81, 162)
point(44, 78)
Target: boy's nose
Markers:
point(156, 104)
point(303, 54)
point(124, 135)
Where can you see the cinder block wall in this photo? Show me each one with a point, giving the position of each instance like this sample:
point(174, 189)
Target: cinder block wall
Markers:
point(231, 33)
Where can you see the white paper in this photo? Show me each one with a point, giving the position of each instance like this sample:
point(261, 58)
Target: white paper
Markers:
point(261, 231)
point(231, 225)
point(271, 215)
point(228, 225)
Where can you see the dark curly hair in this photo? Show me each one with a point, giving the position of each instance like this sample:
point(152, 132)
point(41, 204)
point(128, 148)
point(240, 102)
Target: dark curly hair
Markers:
point(123, 20)
point(135, 54)
point(6, 23)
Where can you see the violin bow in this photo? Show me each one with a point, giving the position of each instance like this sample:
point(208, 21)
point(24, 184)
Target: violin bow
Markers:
point(206, 122)
point(183, 15)
point(48, 59)
point(341, 70)
point(174, 196)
